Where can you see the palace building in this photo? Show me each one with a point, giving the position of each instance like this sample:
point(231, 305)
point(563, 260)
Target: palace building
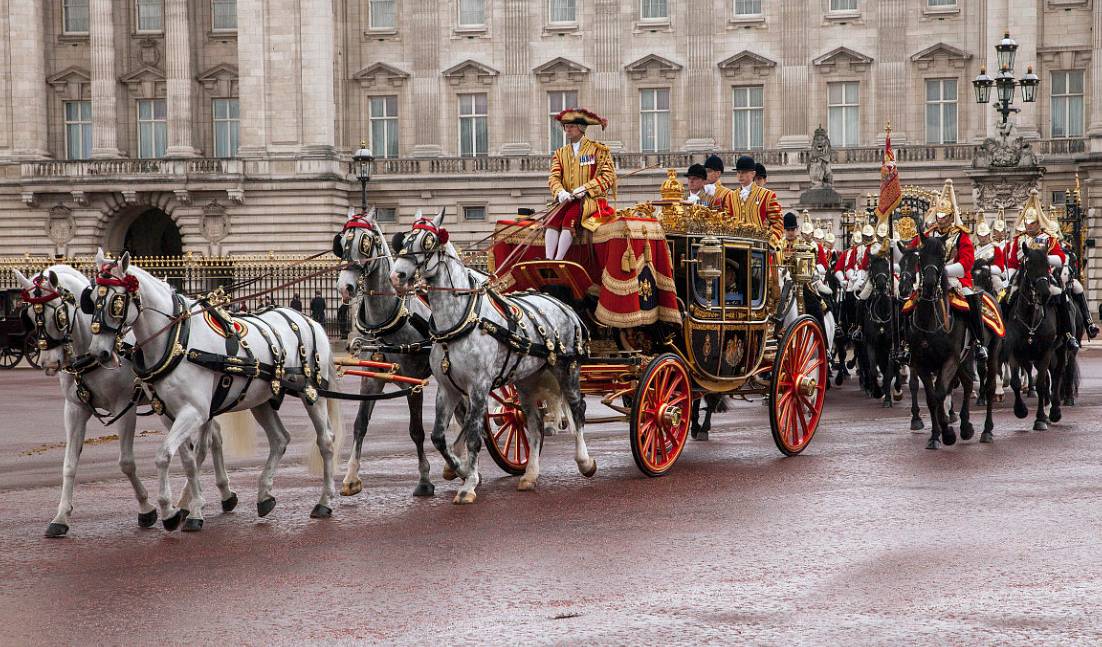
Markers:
point(226, 126)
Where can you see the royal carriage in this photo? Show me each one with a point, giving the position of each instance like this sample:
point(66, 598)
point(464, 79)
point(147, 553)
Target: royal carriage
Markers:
point(16, 332)
point(681, 301)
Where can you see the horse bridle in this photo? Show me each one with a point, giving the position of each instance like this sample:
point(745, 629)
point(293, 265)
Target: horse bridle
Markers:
point(434, 242)
point(1037, 305)
point(42, 295)
point(941, 317)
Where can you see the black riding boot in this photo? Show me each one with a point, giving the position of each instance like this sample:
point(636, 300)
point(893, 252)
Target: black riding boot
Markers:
point(1085, 312)
point(859, 331)
point(1067, 326)
point(975, 319)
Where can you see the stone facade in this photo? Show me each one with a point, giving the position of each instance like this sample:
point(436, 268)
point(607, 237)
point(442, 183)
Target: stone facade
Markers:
point(304, 73)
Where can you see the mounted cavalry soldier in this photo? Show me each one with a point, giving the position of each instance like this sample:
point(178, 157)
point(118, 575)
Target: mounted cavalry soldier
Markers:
point(582, 175)
point(1073, 270)
point(1038, 231)
point(959, 258)
point(750, 201)
point(992, 252)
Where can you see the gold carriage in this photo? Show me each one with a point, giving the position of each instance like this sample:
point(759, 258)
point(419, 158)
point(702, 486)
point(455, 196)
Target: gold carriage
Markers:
point(705, 294)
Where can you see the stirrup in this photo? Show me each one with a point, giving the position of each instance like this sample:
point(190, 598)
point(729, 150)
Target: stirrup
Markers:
point(979, 351)
point(1072, 343)
point(1092, 330)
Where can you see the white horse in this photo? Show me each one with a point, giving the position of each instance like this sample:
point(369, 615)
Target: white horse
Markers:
point(193, 379)
point(63, 332)
point(484, 341)
point(792, 312)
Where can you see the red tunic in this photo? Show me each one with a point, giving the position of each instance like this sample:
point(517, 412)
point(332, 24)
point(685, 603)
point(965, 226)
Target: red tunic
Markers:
point(962, 251)
point(1015, 256)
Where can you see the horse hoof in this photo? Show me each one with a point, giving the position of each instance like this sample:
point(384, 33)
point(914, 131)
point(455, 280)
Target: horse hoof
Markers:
point(838, 379)
point(897, 396)
point(588, 472)
point(229, 504)
point(933, 443)
point(949, 437)
point(987, 437)
point(352, 488)
point(999, 397)
point(953, 417)
point(701, 436)
point(173, 522)
point(321, 512)
point(526, 485)
point(193, 525)
point(1055, 415)
point(693, 431)
point(1020, 410)
point(265, 506)
point(57, 530)
point(464, 498)
point(886, 403)
point(967, 431)
point(917, 424)
point(1040, 425)
point(449, 473)
point(147, 519)
point(424, 489)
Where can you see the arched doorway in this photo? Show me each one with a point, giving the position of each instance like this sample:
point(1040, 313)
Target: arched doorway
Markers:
point(153, 233)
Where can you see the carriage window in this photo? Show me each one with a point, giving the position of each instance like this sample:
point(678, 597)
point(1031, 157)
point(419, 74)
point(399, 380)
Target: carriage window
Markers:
point(757, 278)
point(735, 272)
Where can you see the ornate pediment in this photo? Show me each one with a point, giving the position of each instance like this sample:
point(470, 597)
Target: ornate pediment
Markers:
point(380, 72)
point(856, 61)
point(560, 68)
point(470, 70)
point(146, 82)
point(744, 63)
point(653, 66)
point(941, 53)
point(70, 82)
point(221, 79)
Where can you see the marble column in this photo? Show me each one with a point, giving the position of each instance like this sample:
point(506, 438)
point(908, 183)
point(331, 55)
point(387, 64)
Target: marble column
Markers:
point(252, 72)
point(796, 75)
point(892, 77)
point(516, 81)
point(179, 84)
point(28, 80)
point(610, 92)
point(700, 86)
point(997, 22)
point(318, 91)
point(425, 82)
point(105, 84)
point(1094, 123)
point(1023, 23)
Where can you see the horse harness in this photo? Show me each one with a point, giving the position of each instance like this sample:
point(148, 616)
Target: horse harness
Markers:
point(397, 320)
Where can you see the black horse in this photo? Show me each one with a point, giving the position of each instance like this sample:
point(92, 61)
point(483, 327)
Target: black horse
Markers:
point(1034, 340)
point(937, 338)
point(880, 330)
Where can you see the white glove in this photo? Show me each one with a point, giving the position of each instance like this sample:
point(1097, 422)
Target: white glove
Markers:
point(841, 277)
point(1054, 261)
point(710, 189)
point(849, 274)
point(954, 270)
point(579, 192)
point(693, 199)
point(563, 195)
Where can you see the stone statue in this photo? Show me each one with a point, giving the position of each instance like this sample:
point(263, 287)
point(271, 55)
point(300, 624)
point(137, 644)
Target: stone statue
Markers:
point(818, 163)
point(1005, 151)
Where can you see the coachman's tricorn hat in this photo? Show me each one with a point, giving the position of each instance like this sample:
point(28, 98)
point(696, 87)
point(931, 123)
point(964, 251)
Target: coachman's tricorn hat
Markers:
point(581, 117)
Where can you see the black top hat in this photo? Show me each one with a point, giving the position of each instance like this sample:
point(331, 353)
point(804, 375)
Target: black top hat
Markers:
point(790, 220)
point(697, 170)
point(759, 168)
point(524, 212)
point(745, 163)
point(714, 163)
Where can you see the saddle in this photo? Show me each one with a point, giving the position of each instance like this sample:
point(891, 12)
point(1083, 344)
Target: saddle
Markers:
point(992, 314)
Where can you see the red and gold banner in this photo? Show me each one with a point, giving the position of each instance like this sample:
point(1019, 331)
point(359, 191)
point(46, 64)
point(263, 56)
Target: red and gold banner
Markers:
point(891, 193)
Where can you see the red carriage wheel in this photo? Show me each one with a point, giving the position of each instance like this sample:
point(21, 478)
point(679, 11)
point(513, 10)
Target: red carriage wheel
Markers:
point(798, 387)
point(504, 431)
point(660, 415)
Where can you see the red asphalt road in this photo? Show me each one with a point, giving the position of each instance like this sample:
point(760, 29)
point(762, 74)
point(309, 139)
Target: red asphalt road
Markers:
point(866, 538)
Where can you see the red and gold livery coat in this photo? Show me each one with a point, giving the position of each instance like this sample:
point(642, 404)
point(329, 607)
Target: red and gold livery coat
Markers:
point(761, 202)
point(592, 168)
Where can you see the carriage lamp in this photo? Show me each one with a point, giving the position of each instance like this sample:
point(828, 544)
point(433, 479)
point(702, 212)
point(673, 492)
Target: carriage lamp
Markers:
point(1029, 84)
point(1005, 51)
point(982, 85)
point(709, 255)
point(803, 262)
point(361, 167)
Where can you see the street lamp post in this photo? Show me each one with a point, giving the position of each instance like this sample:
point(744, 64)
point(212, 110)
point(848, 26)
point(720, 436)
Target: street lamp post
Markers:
point(361, 168)
point(1004, 82)
point(848, 219)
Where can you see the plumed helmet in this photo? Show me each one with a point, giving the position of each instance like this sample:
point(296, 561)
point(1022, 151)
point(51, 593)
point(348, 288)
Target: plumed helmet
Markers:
point(982, 229)
point(806, 226)
point(882, 230)
point(856, 238)
point(830, 237)
point(818, 234)
point(868, 232)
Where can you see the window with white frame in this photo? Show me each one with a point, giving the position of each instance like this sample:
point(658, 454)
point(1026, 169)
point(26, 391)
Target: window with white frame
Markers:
point(227, 127)
point(474, 213)
point(654, 120)
point(842, 113)
point(74, 16)
point(472, 13)
point(654, 10)
point(383, 115)
point(937, 4)
point(563, 11)
point(843, 5)
point(748, 127)
point(1067, 104)
point(474, 138)
point(151, 15)
point(152, 128)
point(386, 214)
point(747, 7)
point(941, 111)
point(558, 101)
point(381, 14)
point(78, 130)
point(223, 15)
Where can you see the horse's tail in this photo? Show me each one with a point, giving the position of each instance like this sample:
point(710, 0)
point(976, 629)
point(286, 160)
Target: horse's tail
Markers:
point(238, 433)
point(336, 424)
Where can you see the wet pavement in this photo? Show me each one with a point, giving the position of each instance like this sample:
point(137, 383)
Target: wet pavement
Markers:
point(866, 538)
